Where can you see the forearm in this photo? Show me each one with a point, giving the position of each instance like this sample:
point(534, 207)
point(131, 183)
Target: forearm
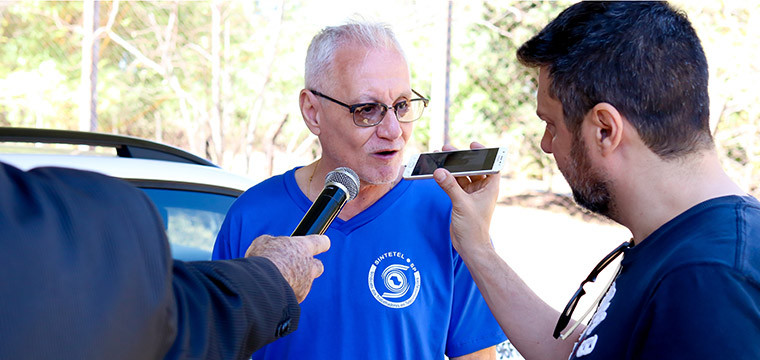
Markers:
point(525, 318)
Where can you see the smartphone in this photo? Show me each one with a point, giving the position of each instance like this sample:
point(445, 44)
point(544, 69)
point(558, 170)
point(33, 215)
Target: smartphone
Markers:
point(459, 162)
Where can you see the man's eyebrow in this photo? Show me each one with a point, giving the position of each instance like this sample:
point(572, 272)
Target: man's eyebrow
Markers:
point(372, 98)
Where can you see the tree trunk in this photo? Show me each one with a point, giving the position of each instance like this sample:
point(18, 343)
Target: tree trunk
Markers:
point(87, 101)
point(215, 118)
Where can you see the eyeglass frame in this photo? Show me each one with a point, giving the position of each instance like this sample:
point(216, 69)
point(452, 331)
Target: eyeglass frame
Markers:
point(352, 108)
point(566, 314)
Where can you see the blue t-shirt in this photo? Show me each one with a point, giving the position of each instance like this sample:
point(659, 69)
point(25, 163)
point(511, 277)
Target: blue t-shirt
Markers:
point(691, 290)
point(393, 285)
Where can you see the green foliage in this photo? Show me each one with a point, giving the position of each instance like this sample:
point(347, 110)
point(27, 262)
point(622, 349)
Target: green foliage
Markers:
point(499, 94)
point(39, 60)
point(155, 74)
point(160, 84)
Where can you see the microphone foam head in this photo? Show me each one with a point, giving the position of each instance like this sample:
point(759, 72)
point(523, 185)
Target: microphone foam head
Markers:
point(345, 177)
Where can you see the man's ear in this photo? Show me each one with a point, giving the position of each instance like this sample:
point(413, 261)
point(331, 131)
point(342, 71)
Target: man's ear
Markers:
point(607, 123)
point(310, 107)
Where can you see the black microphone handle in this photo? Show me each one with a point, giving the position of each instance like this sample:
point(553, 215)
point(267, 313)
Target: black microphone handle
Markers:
point(322, 212)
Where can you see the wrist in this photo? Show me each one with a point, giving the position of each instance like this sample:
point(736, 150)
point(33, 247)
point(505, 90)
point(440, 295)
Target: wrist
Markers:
point(476, 247)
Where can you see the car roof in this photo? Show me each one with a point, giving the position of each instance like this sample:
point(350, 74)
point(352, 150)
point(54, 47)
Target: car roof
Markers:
point(142, 172)
point(142, 162)
point(125, 146)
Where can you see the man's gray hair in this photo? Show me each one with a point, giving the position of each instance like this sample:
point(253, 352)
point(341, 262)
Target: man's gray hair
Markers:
point(321, 53)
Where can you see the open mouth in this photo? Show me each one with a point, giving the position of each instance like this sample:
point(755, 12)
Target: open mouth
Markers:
point(386, 153)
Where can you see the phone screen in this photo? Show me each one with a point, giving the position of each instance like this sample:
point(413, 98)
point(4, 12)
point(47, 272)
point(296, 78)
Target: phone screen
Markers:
point(456, 161)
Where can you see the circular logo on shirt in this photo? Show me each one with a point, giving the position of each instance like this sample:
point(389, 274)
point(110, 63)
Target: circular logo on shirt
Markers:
point(394, 280)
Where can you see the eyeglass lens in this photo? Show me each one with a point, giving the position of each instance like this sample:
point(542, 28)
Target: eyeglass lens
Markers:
point(373, 114)
point(564, 318)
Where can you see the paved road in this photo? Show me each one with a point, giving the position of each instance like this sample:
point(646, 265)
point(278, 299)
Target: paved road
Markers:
point(554, 252)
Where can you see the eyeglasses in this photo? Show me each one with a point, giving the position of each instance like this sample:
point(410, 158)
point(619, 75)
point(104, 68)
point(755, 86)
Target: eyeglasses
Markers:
point(371, 114)
point(564, 318)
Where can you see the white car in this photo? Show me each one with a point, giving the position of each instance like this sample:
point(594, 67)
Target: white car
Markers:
point(191, 193)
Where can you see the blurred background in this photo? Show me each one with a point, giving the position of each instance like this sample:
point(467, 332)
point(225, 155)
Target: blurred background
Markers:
point(221, 79)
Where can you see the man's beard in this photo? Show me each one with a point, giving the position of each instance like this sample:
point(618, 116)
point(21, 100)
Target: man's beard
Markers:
point(590, 188)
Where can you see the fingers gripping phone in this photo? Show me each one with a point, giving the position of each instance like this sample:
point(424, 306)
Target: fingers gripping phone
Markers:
point(459, 162)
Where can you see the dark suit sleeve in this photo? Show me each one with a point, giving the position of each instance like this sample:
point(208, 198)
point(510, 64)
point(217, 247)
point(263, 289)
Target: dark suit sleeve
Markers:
point(228, 309)
point(86, 269)
point(87, 274)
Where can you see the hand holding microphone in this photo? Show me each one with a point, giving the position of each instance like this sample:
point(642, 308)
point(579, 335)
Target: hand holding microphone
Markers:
point(294, 255)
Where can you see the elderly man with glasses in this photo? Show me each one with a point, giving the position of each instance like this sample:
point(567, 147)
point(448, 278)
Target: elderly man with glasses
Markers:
point(393, 286)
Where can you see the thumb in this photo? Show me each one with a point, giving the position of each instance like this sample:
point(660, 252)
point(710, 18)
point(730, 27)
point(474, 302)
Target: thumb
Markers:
point(448, 183)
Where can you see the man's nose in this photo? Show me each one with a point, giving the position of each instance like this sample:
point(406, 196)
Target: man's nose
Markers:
point(389, 127)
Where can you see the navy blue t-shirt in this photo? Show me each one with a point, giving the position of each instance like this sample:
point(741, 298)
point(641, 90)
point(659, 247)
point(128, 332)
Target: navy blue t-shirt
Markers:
point(393, 285)
point(691, 290)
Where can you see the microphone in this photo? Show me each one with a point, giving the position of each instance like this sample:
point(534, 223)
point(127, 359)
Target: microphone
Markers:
point(341, 186)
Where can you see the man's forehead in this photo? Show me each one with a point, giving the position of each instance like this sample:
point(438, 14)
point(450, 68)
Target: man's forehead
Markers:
point(380, 66)
point(543, 78)
point(546, 104)
point(543, 88)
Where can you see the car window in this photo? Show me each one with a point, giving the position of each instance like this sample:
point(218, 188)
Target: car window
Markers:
point(192, 219)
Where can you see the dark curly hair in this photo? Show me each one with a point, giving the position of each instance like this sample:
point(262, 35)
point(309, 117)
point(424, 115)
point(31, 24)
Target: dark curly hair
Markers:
point(644, 58)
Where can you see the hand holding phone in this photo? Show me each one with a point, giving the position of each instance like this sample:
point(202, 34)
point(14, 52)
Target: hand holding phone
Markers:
point(459, 162)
